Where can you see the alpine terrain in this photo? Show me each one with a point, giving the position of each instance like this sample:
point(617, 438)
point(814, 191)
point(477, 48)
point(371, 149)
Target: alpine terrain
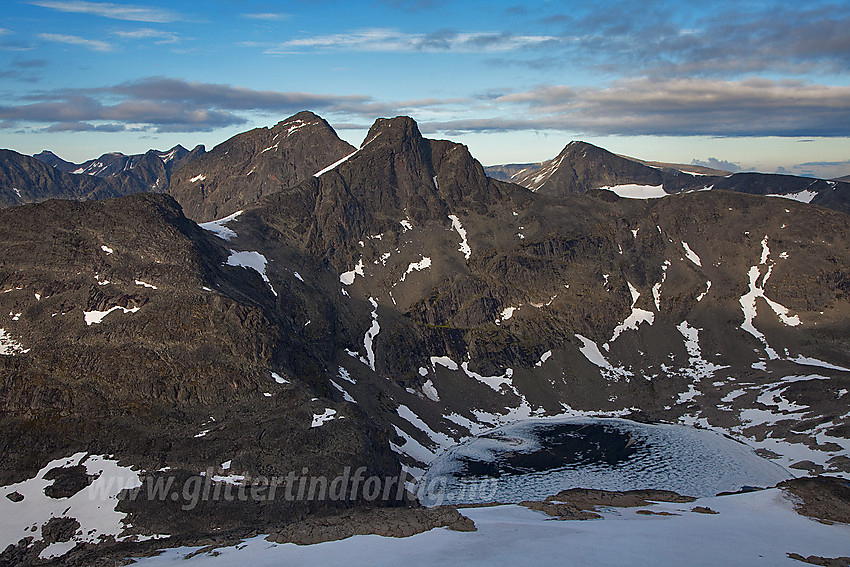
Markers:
point(286, 306)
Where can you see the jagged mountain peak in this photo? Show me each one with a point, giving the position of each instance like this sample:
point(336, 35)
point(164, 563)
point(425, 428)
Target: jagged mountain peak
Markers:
point(402, 128)
point(239, 171)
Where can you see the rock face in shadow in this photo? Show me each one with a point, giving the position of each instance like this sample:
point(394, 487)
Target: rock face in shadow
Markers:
point(239, 171)
point(371, 307)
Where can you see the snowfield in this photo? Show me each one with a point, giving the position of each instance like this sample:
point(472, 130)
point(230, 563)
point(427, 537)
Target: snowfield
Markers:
point(756, 528)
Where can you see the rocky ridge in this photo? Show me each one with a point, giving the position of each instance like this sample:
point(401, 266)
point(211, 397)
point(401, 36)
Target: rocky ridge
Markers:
point(404, 301)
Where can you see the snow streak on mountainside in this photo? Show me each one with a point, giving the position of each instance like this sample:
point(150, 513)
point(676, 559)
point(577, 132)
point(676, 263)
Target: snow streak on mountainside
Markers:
point(398, 303)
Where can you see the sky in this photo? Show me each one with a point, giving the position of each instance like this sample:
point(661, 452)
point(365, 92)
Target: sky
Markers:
point(761, 85)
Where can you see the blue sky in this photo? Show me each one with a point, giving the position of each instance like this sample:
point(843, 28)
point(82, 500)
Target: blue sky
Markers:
point(760, 85)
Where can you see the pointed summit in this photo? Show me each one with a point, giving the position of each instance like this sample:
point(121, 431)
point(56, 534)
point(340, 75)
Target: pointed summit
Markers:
point(238, 172)
point(581, 167)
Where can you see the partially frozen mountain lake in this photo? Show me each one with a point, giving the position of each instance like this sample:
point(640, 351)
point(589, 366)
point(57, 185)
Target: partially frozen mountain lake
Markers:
point(534, 459)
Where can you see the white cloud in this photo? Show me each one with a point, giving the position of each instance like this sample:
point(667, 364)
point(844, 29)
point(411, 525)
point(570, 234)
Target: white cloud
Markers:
point(266, 16)
point(148, 33)
point(387, 40)
point(109, 10)
point(93, 44)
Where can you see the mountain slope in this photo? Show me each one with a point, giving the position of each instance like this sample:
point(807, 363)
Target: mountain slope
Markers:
point(239, 171)
point(407, 302)
point(581, 167)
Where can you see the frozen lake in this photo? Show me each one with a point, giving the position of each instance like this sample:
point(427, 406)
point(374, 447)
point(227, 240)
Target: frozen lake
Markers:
point(538, 458)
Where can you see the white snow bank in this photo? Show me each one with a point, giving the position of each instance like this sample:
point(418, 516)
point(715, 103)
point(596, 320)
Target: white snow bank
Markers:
point(631, 191)
point(319, 419)
point(464, 244)
point(347, 278)
point(93, 507)
point(95, 317)
point(217, 226)
point(253, 260)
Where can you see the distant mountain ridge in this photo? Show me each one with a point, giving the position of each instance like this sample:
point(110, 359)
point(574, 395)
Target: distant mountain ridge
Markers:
point(581, 167)
point(375, 306)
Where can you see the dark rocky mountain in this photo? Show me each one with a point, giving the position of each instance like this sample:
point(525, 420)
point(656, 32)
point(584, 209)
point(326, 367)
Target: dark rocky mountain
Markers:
point(114, 163)
point(581, 167)
point(242, 169)
point(25, 179)
point(51, 159)
point(390, 304)
point(508, 171)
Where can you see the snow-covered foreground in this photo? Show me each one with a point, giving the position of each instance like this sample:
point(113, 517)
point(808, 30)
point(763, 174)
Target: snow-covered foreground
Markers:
point(757, 528)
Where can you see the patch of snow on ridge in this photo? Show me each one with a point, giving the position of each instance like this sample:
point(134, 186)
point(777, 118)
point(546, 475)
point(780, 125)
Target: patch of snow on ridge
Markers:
point(544, 358)
point(252, 260)
point(443, 361)
point(805, 360)
point(430, 390)
point(319, 419)
point(591, 352)
point(95, 317)
point(495, 382)
point(199, 177)
point(217, 226)
point(422, 264)
point(441, 440)
point(345, 159)
point(698, 368)
point(632, 191)
point(748, 300)
point(93, 507)
point(656, 289)
point(636, 317)
point(464, 244)
point(107, 249)
point(703, 294)
point(9, 346)
point(345, 395)
point(347, 278)
point(369, 337)
point(691, 255)
point(804, 196)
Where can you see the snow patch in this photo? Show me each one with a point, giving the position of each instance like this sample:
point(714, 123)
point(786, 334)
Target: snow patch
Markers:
point(430, 391)
point(93, 507)
point(422, 264)
point(319, 419)
point(199, 177)
point(464, 244)
point(632, 191)
point(9, 346)
point(347, 278)
point(252, 260)
point(95, 317)
point(217, 226)
point(636, 317)
point(691, 255)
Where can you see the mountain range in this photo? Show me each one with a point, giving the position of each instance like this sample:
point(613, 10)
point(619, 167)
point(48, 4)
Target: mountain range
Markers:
point(370, 307)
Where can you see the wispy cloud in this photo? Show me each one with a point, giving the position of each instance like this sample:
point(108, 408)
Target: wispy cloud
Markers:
point(110, 10)
point(93, 44)
point(676, 107)
point(655, 38)
point(170, 105)
point(161, 36)
point(387, 40)
point(24, 70)
point(266, 16)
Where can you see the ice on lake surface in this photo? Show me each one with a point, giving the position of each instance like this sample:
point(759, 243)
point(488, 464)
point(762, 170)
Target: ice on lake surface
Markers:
point(538, 458)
